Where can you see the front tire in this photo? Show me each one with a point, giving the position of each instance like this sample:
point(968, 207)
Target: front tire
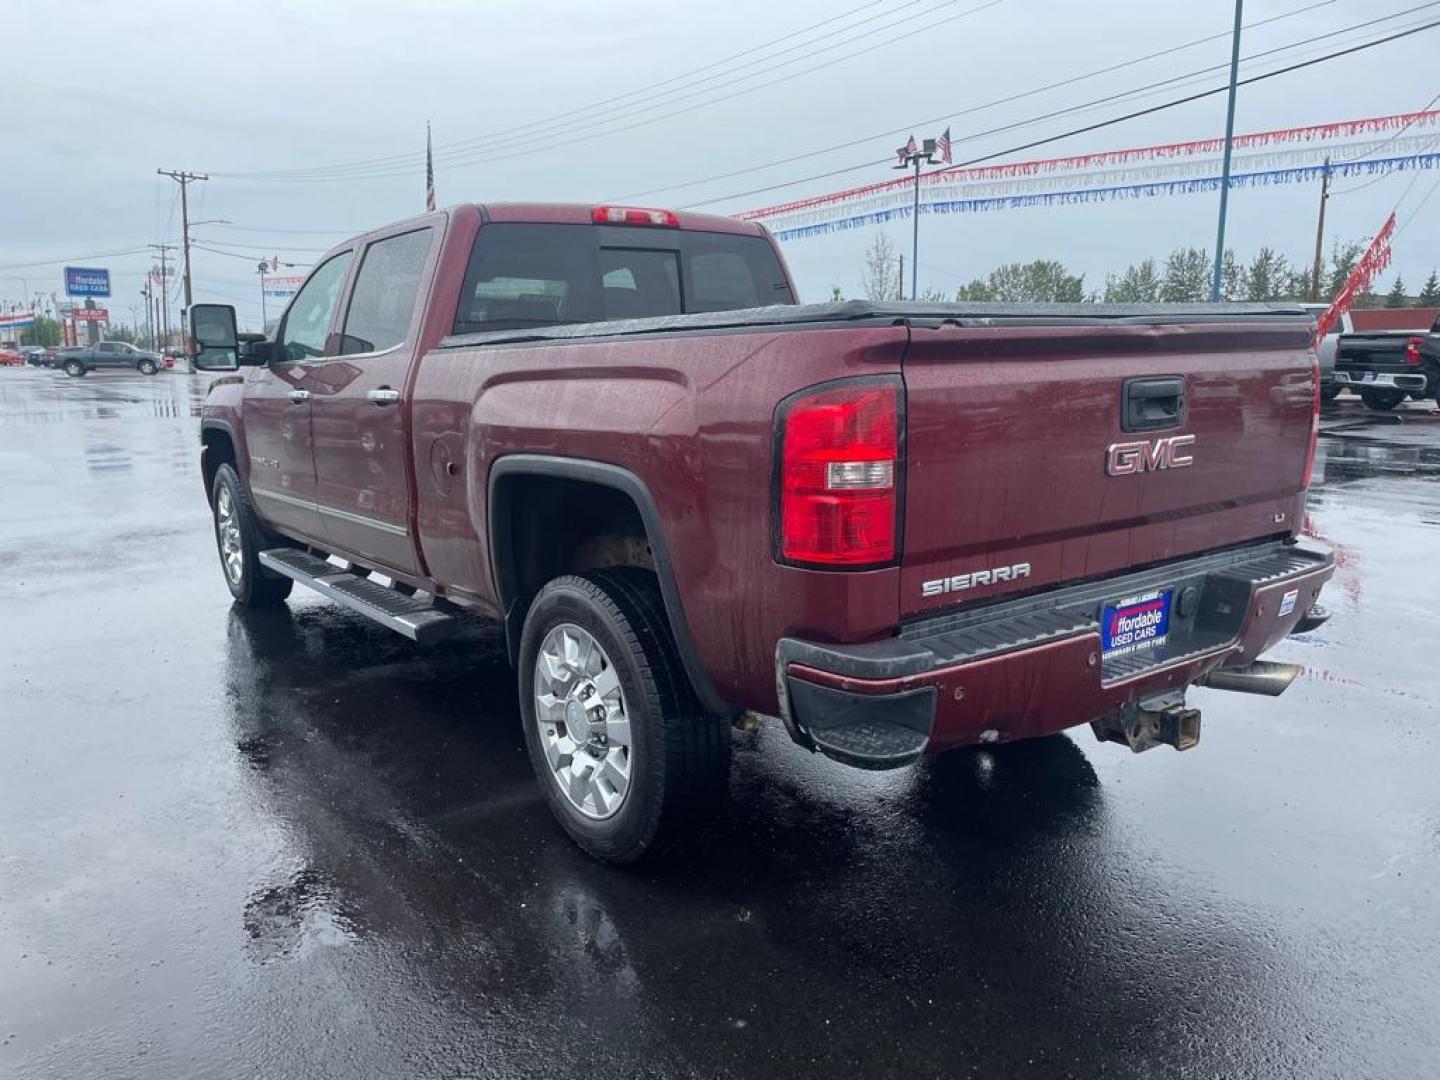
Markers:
point(147, 367)
point(238, 537)
point(74, 368)
point(1382, 399)
point(627, 759)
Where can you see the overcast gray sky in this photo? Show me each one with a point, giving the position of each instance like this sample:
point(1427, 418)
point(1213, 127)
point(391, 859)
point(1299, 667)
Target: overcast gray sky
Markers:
point(99, 94)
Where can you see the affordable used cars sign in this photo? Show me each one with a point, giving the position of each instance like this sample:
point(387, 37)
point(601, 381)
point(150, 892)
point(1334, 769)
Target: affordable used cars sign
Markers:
point(86, 281)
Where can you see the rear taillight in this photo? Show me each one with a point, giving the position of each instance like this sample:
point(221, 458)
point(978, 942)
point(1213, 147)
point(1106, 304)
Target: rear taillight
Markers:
point(1314, 421)
point(634, 215)
point(839, 471)
point(1412, 350)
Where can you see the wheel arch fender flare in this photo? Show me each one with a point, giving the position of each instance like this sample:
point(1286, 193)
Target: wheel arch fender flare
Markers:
point(503, 570)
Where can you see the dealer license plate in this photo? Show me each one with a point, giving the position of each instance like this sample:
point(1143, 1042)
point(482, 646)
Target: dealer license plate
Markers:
point(1135, 623)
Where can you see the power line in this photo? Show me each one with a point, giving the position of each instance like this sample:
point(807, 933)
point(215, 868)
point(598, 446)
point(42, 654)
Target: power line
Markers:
point(1125, 118)
point(77, 258)
point(316, 232)
point(231, 254)
point(596, 105)
point(976, 108)
point(478, 156)
point(260, 247)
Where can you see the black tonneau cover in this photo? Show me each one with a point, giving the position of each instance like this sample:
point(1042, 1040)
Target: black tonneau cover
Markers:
point(895, 312)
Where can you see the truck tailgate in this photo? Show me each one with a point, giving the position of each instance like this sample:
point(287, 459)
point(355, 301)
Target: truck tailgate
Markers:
point(1041, 453)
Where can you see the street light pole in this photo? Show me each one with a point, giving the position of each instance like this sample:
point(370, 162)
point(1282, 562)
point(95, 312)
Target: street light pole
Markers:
point(1225, 164)
point(909, 157)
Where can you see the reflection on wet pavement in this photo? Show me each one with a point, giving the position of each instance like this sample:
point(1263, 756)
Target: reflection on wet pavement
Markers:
point(288, 843)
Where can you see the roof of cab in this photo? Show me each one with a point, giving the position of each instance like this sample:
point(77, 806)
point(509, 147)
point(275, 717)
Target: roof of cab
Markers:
point(581, 214)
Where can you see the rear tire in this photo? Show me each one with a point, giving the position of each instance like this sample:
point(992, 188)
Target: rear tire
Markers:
point(74, 368)
point(239, 537)
point(147, 367)
point(676, 763)
point(1329, 393)
point(1382, 399)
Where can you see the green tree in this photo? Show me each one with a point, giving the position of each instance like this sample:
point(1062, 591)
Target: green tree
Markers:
point(1187, 276)
point(880, 279)
point(977, 290)
point(1268, 277)
point(1430, 291)
point(1039, 282)
point(1396, 297)
point(1343, 257)
point(46, 331)
point(1232, 278)
point(836, 293)
point(1139, 284)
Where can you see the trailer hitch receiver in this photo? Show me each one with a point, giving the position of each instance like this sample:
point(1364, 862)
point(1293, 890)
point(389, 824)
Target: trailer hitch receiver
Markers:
point(1140, 725)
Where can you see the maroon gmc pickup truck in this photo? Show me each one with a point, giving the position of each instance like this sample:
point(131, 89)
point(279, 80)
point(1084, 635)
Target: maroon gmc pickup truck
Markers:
point(899, 528)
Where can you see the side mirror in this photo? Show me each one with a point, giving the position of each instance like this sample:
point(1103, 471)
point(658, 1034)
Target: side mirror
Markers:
point(258, 353)
point(215, 346)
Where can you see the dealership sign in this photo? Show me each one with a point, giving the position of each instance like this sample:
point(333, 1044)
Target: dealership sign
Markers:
point(282, 286)
point(86, 281)
point(94, 314)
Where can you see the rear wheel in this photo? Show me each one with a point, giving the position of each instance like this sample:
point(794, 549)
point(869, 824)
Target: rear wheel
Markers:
point(74, 368)
point(238, 537)
point(147, 367)
point(1329, 393)
point(627, 759)
point(1382, 399)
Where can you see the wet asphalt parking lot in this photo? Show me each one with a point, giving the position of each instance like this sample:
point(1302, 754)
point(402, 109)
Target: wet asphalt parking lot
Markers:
point(289, 844)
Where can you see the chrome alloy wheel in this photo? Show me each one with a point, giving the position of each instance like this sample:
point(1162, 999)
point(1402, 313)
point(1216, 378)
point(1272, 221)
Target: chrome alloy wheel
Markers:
point(227, 527)
point(584, 728)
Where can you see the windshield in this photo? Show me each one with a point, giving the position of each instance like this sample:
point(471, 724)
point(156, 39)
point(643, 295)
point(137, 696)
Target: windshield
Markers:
point(524, 275)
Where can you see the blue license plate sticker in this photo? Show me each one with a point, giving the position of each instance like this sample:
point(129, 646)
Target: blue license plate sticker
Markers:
point(1135, 623)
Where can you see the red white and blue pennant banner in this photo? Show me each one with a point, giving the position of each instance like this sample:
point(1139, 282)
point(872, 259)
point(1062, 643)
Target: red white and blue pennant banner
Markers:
point(1190, 186)
point(1266, 161)
point(1135, 164)
point(1375, 259)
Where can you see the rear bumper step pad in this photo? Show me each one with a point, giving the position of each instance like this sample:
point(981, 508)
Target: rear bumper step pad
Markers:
point(982, 663)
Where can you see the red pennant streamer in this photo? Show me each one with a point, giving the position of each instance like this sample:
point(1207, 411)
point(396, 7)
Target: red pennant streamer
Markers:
point(1375, 259)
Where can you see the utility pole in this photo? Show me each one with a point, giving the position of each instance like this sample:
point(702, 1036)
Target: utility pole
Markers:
point(184, 179)
point(163, 300)
point(900, 285)
point(149, 324)
point(1225, 166)
point(1320, 234)
point(264, 265)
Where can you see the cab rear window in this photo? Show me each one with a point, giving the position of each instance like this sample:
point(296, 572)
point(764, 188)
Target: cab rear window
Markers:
point(527, 275)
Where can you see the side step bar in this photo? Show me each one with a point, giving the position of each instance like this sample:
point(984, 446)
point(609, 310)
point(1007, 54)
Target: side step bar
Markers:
point(416, 619)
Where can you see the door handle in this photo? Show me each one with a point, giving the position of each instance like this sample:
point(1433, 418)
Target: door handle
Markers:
point(299, 397)
point(1153, 404)
point(384, 396)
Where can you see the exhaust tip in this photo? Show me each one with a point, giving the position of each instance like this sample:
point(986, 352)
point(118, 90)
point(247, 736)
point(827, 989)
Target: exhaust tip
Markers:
point(1261, 677)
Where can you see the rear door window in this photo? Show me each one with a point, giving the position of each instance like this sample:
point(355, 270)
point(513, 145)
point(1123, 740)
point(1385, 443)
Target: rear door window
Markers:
point(531, 275)
point(382, 303)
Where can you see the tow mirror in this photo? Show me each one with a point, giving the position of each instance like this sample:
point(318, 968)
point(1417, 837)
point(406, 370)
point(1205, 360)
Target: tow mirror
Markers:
point(214, 344)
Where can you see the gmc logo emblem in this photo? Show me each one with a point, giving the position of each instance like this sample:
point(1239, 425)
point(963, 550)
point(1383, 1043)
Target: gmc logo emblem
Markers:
point(1129, 458)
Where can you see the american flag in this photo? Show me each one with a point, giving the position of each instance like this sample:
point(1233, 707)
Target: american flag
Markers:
point(906, 151)
point(943, 145)
point(429, 172)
